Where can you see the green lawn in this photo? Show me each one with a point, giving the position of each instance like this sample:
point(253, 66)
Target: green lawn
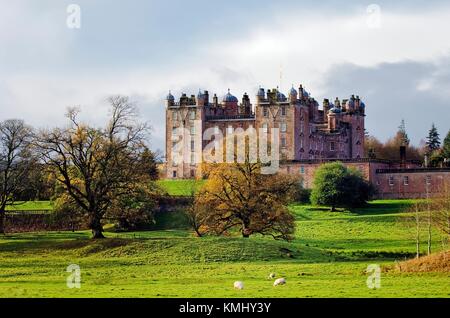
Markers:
point(327, 259)
point(31, 206)
point(180, 187)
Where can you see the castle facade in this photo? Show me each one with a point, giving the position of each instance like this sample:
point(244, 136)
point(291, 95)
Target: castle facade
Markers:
point(306, 131)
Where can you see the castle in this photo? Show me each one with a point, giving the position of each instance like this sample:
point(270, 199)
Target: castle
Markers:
point(306, 132)
point(309, 135)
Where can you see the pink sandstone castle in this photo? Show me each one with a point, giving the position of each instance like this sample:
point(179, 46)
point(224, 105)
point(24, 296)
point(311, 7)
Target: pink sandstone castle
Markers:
point(308, 136)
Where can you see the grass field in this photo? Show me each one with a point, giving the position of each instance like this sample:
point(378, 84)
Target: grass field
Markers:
point(180, 187)
point(327, 259)
point(30, 206)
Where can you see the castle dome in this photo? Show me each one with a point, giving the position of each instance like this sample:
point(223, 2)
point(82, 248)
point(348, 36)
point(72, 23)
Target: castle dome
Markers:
point(170, 97)
point(261, 92)
point(281, 97)
point(351, 102)
point(293, 92)
point(230, 98)
point(334, 110)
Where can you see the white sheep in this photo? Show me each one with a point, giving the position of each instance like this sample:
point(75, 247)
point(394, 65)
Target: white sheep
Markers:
point(271, 276)
point(279, 281)
point(238, 285)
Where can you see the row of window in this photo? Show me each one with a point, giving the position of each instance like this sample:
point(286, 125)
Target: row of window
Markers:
point(266, 111)
point(192, 115)
point(391, 180)
point(174, 174)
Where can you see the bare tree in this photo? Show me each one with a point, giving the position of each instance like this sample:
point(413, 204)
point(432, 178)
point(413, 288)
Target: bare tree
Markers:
point(196, 216)
point(441, 208)
point(15, 154)
point(96, 165)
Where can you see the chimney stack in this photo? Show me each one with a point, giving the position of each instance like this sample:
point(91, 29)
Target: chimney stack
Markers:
point(403, 156)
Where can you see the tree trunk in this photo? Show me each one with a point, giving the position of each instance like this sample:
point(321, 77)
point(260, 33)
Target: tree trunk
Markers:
point(97, 233)
point(333, 208)
point(96, 227)
point(245, 229)
point(2, 222)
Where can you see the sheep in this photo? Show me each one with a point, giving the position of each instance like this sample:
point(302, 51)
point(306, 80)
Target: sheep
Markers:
point(238, 285)
point(271, 276)
point(279, 281)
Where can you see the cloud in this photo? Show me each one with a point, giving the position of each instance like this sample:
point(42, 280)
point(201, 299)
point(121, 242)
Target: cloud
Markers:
point(393, 91)
point(143, 50)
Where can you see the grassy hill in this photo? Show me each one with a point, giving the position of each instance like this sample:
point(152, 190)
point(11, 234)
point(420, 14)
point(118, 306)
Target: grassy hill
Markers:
point(328, 258)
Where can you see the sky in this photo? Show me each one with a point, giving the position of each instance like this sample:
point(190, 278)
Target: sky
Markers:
point(395, 56)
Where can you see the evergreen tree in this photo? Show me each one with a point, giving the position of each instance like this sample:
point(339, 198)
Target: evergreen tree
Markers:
point(402, 133)
point(433, 140)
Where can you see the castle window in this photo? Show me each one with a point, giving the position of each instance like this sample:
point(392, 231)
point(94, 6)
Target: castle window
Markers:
point(428, 180)
point(265, 127)
point(229, 130)
point(332, 146)
point(192, 173)
point(192, 130)
point(283, 127)
point(174, 115)
point(283, 111)
point(406, 180)
point(192, 115)
point(302, 169)
point(266, 112)
point(391, 181)
point(174, 174)
point(193, 158)
point(358, 142)
point(283, 142)
point(174, 131)
point(192, 145)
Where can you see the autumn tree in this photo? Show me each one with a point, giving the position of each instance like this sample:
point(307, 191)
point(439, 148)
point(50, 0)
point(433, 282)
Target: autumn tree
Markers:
point(15, 159)
point(238, 196)
point(96, 166)
point(374, 148)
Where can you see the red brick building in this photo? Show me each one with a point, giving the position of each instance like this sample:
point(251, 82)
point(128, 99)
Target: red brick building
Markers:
point(391, 179)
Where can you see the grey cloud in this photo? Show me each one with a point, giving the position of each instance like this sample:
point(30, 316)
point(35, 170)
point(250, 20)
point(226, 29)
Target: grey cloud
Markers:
point(391, 94)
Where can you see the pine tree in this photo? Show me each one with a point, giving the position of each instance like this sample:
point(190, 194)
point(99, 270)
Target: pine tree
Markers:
point(433, 140)
point(403, 135)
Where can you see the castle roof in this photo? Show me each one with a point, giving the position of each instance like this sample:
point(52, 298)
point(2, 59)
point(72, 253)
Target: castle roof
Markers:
point(230, 98)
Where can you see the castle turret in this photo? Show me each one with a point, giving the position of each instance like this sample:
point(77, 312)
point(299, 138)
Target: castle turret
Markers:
point(170, 100)
point(326, 107)
point(246, 107)
point(293, 95)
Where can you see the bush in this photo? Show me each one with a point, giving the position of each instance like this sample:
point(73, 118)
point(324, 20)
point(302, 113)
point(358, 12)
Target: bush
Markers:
point(303, 195)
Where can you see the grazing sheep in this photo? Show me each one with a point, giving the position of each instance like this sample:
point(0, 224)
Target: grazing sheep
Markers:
point(279, 281)
point(238, 285)
point(271, 276)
